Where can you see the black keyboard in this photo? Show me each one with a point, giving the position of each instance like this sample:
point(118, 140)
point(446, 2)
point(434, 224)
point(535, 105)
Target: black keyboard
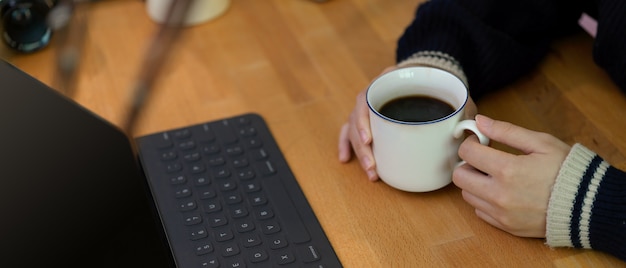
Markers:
point(227, 198)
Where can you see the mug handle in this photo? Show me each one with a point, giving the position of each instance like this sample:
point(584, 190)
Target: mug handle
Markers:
point(471, 126)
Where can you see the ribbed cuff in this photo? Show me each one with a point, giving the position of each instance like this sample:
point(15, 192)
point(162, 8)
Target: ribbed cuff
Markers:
point(438, 60)
point(571, 201)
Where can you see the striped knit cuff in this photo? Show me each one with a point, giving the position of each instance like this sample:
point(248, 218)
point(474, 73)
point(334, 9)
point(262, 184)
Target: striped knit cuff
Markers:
point(438, 60)
point(573, 194)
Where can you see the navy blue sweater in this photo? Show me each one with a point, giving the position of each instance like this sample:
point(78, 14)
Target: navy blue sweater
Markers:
point(498, 41)
point(491, 43)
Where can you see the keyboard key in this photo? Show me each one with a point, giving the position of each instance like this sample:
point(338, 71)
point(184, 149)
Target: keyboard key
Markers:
point(247, 131)
point(217, 220)
point(233, 198)
point(169, 155)
point(207, 193)
point(251, 187)
point(234, 150)
point(200, 181)
point(187, 206)
point(245, 175)
point(224, 133)
point(178, 179)
point(230, 250)
point(204, 248)
point(244, 226)
point(182, 192)
point(192, 219)
point(260, 154)
point(227, 185)
point(258, 255)
point(269, 228)
point(264, 214)
point(221, 173)
point(235, 262)
point(308, 254)
point(266, 168)
point(216, 161)
point(224, 235)
point(198, 234)
point(164, 141)
point(241, 162)
point(212, 206)
point(278, 242)
point(210, 149)
point(209, 262)
point(173, 167)
point(258, 200)
point(187, 145)
point(192, 157)
point(239, 212)
point(197, 168)
point(285, 257)
point(243, 120)
point(251, 240)
point(205, 134)
point(253, 143)
point(181, 134)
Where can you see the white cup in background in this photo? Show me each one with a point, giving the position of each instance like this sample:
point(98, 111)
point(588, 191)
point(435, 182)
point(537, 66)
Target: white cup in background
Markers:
point(418, 156)
point(200, 11)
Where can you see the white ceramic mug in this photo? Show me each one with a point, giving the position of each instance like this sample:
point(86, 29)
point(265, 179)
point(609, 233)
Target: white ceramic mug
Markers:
point(418, 156)
point(199, 12)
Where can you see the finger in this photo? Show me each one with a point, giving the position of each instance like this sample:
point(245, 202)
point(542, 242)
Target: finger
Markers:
point(520, 138)
point(365, 155)
point(361, 136)
point(471, 180)
point(482, 157)
point(476, 187)
point(359, 131)
point(476, 202)
point(388, 69)
point(345, 150)
point(361, 119)
point(490, 219)
point(470, 109)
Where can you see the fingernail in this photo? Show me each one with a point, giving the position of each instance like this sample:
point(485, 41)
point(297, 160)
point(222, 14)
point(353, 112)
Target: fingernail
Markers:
point(343, 157)
point(371, 175)
point(484, 121)
point(369, 168)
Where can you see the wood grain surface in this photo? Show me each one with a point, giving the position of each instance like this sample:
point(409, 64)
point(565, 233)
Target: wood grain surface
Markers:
point(300, 64)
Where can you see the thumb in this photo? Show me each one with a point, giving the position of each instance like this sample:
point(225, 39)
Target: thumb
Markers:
point(520, 138)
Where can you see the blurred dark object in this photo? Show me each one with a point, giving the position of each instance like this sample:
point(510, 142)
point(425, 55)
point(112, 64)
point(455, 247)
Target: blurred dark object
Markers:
point(160, 48)
point(69, 20)
point(24, 26)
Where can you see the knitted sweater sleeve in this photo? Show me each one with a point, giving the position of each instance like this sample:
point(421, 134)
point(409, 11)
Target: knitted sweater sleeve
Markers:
point(587, 207)
point(493, 42)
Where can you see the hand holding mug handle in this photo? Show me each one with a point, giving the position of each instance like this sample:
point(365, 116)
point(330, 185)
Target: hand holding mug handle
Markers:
point(471, 126)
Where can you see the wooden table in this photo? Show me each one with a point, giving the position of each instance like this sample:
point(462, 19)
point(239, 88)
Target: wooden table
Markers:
point(300, 65)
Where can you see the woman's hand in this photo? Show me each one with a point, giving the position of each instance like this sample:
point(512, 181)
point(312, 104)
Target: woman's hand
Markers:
point(511, 192)
point(356, 135)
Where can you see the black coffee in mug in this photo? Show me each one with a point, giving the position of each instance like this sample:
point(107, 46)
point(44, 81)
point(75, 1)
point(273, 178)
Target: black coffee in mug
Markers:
point(416, 108)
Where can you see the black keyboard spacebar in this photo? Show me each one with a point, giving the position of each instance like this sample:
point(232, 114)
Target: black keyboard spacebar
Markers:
point(290, 219)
